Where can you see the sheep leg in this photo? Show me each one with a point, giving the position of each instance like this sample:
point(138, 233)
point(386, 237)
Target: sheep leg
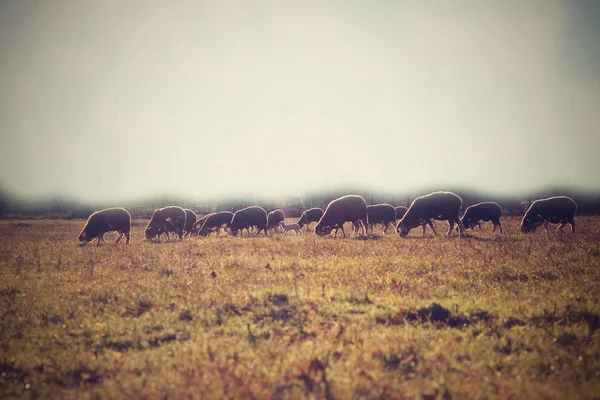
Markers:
point(479, 225)
point(461, 230)
point(450, 228)
point(430, 223)
point(100, 239)
point(126, 237)
point(546, 226)
point(119, 238)
point(572, 223)
point(560, 227)
point(344, 233)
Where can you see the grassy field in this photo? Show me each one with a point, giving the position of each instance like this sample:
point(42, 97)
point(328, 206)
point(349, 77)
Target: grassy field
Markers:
point(515, 316)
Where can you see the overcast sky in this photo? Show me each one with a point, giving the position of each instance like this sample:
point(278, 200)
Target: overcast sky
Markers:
point(119, 99)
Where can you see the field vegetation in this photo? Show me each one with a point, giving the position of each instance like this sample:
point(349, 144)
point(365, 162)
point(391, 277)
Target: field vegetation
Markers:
point(487, 316)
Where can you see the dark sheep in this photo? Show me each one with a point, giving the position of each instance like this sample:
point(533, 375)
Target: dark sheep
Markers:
point(198, 224)
point(384, 214)
point(214, 222)
point(487, 211)
point(310, 215)
point(190, 220)
point(558, 210)
point(441, 206)
point(108, 220)
point(165, 220)
point(274, 218)
point(248, 217)
point(351, 208)
point(400, 211)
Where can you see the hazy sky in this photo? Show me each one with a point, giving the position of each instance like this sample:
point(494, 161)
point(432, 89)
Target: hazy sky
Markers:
point(118, 99)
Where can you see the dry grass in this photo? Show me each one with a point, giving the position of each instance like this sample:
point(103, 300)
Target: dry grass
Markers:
point(300, 316)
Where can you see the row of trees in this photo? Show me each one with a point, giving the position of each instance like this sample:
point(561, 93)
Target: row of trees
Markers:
point(61, 209)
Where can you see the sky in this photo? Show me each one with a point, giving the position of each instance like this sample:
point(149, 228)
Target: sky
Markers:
point(114, 100)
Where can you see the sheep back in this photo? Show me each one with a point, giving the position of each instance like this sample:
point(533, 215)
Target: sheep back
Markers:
point(400, 211)
point(167, 219)
point(107, 220)
point(247, 217)
point(559, 209)
point(310, 215)
point(221, 219)
point(274, 218)
point(199, 222)
point(486, 211)
point(351, 208)
point(381, 214)
point(442, 206)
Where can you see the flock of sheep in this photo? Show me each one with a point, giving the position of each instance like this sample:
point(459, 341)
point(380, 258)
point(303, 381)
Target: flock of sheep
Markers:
point(441, 206)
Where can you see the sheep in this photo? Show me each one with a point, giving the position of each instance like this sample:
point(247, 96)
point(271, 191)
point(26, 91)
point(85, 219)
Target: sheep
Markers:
point(290, 227)
point(442, 206)
point(165, 220)
point(248, 217)
point(351, 208)
point(214, 222)
point(274, 218)
point(486, 211)
point(558, 210)
point(308, 216)
point(107, 220)
point(190, 220)
point(198, 224)
point(381, 214)
point(400, 211)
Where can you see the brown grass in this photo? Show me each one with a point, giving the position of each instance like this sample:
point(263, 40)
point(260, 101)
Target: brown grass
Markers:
point(291, 316)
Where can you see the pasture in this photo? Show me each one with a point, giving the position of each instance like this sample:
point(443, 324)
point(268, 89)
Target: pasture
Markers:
point(488, 316)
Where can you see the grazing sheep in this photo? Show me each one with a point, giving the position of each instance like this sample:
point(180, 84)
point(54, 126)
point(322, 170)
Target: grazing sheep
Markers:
point(190, 220)
point(558, 210)
point(351, 208)
point(215, 222)
point(487, 211)
point(165, 220)
point(381, 214)
point(274, 218)
point(442, 206)
point(108, 220)
point(198, 224)
point(290, 227)
point(310, 215)
point(248, 217)
point(400, 211)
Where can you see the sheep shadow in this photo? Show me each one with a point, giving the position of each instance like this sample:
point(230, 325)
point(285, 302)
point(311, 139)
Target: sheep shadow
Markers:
point(483, 239)
point(369, 237)
point(418, 237)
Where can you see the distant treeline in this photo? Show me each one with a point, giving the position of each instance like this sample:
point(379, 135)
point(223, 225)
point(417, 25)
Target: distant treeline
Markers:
point(587, 204)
